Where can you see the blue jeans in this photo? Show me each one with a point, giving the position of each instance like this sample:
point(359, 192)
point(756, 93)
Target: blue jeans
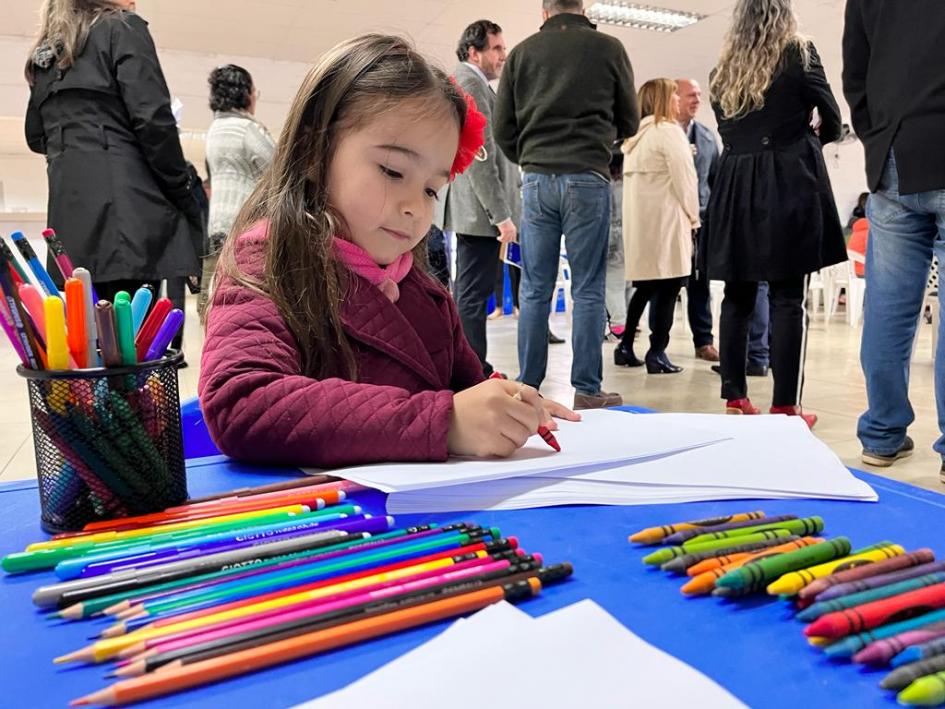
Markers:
point(758, 350)
point(577, 206)
point(905, 231)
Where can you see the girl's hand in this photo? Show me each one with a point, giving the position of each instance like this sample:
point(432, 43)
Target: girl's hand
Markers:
point(559, 411)
point(494, 418)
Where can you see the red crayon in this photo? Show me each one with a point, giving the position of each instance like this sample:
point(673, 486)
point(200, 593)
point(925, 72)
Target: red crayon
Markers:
point(872, 615)
point(546, 435)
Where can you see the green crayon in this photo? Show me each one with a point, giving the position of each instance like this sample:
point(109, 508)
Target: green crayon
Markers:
point(680, 564)
point(902, 677)
point(801, 527)
point(767, 570)
point(928, 691)
point(661, 556)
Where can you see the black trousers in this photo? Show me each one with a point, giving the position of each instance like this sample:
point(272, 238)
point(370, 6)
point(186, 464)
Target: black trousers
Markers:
point(788, 338)
point(476, 258)
point(661, 295)
point(515, 278)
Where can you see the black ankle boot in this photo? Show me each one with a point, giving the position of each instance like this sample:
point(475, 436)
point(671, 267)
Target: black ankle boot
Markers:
point(658, 363)
point(624, 357)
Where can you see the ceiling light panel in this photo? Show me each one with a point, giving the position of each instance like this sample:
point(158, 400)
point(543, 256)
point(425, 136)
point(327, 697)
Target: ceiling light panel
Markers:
point(642, 17)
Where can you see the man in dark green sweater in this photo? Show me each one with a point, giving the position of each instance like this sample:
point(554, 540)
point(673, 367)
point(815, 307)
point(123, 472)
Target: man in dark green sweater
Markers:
point(566, 94)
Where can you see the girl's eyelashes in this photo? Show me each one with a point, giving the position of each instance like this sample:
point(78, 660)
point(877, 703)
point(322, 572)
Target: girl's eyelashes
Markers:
point(394, 175)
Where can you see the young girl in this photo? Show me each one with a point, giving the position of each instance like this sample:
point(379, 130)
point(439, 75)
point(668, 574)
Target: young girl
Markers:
point(327, 343)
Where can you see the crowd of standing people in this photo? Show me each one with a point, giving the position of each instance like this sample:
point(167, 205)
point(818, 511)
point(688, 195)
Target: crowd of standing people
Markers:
point(565, 148)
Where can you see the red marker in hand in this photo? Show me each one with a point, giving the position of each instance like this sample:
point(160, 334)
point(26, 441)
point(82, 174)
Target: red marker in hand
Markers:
point(546, 435)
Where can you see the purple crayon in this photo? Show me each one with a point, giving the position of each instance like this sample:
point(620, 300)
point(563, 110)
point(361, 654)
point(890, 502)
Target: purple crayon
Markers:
point(369, 525)
point(880, 652)
point(686, 534)
point(844, 589)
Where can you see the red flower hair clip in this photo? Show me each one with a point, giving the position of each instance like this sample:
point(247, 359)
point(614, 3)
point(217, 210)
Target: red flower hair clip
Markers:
point(472, 136)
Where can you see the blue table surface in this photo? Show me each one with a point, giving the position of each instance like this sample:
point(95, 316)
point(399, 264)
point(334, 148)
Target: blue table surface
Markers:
point(755, 648)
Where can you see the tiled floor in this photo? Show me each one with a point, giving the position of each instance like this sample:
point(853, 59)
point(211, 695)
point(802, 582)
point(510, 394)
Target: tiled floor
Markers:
point(834, 390)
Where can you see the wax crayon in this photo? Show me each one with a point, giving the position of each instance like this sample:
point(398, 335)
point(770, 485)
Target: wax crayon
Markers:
point(866, 584)
point(871, 615)
point(928, 691)
point(661, 556)
point(883, 651)
point(801, 527)
point(680, 564)
point(849, 646)
point(902, 677)
point(718, 562)
point(654, 535)
point(705, 582)
point(856, 599)
point(767, 570)
point(791, 583)
point(921, 651)
point(687, 534)
point(904, 561)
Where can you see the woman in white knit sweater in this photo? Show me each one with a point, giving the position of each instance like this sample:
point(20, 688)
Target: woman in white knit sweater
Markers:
point(660, 212)
point(239, 149)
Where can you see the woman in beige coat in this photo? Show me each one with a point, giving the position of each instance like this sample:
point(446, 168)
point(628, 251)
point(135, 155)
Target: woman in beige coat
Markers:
point(660, 212)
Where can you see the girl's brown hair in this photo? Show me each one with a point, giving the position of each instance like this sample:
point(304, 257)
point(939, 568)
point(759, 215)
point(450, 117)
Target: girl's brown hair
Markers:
point(656, 99)
point(63, 31)
point(351, 85)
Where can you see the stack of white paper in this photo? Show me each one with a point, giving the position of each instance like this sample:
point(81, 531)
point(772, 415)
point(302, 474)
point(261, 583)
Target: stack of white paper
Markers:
point(577, 656)
point(616, 458)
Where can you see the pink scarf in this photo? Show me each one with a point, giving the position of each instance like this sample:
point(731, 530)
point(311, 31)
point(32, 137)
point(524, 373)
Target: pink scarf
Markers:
point(359, 262)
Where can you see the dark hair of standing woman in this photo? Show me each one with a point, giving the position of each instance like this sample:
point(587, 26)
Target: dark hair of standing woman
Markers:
point(231, 88)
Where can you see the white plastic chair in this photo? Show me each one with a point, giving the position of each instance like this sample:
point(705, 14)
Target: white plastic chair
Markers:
point(815, 288)
point(856, 288)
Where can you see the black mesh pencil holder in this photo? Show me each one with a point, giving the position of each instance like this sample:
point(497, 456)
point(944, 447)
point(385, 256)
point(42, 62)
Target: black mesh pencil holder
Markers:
point(108, 442)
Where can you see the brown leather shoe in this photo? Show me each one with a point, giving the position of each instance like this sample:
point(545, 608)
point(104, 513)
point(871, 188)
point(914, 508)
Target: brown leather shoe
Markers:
point(600, 400)
point(708, 353)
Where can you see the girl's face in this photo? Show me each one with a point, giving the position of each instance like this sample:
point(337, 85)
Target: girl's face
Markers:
point(384, 176)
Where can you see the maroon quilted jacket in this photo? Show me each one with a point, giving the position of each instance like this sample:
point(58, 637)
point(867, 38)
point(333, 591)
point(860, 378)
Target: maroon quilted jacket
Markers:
point(411, 356)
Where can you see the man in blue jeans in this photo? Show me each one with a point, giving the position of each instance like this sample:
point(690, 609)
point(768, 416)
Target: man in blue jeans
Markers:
point(893, 80)
point(566, 94)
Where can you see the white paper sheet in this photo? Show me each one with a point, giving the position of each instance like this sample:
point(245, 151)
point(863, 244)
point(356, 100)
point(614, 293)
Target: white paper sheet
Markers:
point(579, 656)
point(602, 437)
point(769, 457)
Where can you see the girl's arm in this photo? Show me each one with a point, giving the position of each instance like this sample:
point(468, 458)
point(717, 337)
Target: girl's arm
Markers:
point(259, 407)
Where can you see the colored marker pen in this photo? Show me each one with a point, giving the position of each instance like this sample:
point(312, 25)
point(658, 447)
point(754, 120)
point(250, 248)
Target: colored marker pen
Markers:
point(107, 333)
point(42, 277)
point(151, 326)
point(125, 325)
point(91, 329)
point(164, 336)
point(139, 306)
point(56, 350)
point(75, 319)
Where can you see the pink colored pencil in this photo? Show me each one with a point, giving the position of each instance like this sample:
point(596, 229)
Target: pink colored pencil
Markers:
point(343, 485)
point(208, 633)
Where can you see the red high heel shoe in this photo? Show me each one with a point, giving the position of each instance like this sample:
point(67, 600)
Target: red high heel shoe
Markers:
point(809, 419)
point(741, 406)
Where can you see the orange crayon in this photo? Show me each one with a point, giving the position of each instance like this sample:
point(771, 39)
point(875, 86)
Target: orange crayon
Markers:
point(654, 535)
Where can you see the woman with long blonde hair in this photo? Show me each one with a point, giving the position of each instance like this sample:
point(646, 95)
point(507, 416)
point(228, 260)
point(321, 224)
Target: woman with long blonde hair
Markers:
point(660, 212)
point(772, 215)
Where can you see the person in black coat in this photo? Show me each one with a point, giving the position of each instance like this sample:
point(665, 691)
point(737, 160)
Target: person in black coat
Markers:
point(771, 215)
point(99, 110)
